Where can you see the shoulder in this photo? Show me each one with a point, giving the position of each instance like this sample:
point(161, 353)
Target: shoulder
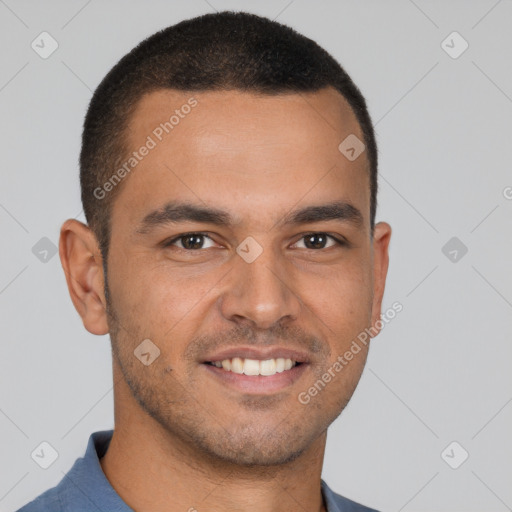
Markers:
point(338, 503)
point(81, 485)
point(48, 500)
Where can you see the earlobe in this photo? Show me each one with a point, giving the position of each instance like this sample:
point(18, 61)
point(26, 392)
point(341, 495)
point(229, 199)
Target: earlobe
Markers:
point(82, 263)
point(381, 239)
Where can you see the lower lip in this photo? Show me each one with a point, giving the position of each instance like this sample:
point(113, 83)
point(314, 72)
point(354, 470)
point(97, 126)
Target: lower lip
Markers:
point(257, 384)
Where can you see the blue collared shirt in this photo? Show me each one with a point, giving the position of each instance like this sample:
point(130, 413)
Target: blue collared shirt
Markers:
point(85, 487)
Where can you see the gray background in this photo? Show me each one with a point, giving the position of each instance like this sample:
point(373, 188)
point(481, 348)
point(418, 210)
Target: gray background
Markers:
point(439, 372)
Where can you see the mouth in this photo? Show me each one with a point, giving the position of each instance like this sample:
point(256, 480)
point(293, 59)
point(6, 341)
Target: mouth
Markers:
point(254, 367)
point(253, 372)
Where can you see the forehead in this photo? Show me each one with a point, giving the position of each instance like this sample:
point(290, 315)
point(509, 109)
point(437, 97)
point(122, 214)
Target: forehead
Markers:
point(216, 114)
point(241, 151)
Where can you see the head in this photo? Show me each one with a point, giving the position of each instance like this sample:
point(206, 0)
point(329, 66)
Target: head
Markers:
point(223, 216)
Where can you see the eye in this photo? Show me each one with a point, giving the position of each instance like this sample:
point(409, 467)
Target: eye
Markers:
point(196, 241)
point(319, 240)
point(189, 241)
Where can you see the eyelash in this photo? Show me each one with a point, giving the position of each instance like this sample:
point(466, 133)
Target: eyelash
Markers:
point(169, 243)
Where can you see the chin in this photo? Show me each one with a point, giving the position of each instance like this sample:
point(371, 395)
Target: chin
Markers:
point(255, 453)
point(255, 445)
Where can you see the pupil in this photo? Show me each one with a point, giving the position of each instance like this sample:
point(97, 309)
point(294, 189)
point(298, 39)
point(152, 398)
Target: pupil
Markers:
point(196, 241)
point(319, 243)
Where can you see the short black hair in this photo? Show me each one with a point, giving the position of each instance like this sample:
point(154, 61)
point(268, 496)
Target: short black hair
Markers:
point(213, 52)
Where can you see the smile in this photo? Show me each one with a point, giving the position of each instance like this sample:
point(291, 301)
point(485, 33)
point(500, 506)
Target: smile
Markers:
point(254, 367)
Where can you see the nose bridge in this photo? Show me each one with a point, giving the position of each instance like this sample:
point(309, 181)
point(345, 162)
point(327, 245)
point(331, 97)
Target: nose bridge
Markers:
point(259, 289)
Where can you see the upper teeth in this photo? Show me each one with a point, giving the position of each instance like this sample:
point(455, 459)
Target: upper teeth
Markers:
point(254, 366)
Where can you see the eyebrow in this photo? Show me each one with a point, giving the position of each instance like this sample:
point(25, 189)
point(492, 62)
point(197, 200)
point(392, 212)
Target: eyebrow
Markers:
point(176, 212)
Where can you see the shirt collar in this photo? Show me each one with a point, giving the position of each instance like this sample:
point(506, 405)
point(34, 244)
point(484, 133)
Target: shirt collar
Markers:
point(88, 477)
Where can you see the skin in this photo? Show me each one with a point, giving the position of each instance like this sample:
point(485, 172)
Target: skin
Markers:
point(183, 439)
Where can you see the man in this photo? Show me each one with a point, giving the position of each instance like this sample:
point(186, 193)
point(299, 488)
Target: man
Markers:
point(229, 180)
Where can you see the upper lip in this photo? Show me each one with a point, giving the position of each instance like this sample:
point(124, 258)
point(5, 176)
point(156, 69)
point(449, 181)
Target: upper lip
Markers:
point(261, 354)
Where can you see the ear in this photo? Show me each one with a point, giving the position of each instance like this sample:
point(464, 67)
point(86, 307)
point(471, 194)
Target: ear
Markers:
point(381, 238)
point(82, 263)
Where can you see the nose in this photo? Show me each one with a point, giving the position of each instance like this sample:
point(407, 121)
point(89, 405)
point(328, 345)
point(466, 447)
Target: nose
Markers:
point(260, 293)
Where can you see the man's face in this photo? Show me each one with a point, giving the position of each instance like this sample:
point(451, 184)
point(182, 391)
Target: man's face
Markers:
point(211, 296)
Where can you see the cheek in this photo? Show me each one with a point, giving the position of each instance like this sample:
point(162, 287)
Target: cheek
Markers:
point(162, 303)
point(341, 298)
point(342, 303)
